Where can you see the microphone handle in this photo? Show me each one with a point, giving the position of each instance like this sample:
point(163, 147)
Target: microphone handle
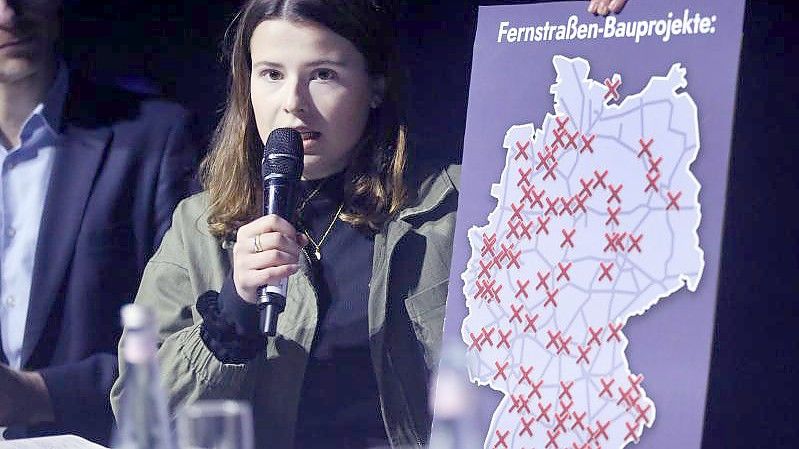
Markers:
point(278, 200)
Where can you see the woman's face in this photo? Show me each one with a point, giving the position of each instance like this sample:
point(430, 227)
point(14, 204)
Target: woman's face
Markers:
point(306, 77)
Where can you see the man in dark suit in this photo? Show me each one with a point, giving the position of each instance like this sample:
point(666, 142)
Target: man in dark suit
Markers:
point(89, 177)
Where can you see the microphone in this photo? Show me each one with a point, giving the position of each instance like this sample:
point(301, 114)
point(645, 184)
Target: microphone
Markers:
point(281, 169)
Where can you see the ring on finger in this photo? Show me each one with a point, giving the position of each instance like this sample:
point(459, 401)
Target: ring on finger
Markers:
point(256, 244)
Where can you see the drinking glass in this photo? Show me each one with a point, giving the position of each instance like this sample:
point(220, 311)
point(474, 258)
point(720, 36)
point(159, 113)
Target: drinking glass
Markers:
point(216, 424)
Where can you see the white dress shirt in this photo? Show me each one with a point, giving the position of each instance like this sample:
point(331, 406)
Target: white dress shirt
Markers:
point(24, 178)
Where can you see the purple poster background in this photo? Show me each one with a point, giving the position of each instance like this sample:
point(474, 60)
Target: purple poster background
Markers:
point(671, 343)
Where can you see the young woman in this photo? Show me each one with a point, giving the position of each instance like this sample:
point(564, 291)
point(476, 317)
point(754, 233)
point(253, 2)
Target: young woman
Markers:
point(367, 261)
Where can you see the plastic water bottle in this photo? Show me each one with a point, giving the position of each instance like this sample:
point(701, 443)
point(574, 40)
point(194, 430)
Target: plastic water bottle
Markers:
point(143, 422)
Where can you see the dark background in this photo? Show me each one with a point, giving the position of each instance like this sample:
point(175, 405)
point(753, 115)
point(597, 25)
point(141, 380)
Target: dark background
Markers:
point(173, 47)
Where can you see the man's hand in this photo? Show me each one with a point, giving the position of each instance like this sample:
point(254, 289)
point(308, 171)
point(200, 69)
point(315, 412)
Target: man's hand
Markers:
point(24, 399)
point(605, 7)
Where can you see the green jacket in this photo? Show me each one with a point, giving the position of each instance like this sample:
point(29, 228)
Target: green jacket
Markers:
point(408, 290)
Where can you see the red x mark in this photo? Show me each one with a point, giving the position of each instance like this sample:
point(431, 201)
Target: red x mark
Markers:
point(631, 427)
point(572, 140)
point(544, 412)
point(503, 338)
point(482, 288)
point(543, 159)
point(586, 186)
point(653, 179)
point(519, 402)
point(561, 421)
point(554, 339)
point(600, 179)
point(606, 387)
point(501, 370)
point(614, 332)
point(606, 271)
point(620, 240)
point(535, 198)
point(583, 354)
point(566, 407)
point(522, 288)
point(475, 342)
point(542, 280)
point(513, 229)
point(559, 137)
point(566, 205)
point(517, 211)
point(611, 238)
point(484, 269)
point(591, 435)
point(488, 244)
point(613, 88)
point(513, 258)
point(627, 397)
point(564, 345)
point(523, 174)
point(642, 412)
point(536, 389)
point(673, 200)
point(502, 254)
point(578, 420)
point(527, 426)
point(645, 147)
point(551, 172)
point(564, 271)
point(562, 125)
point(530, 322)
point(587, 143)
point(613, 215)
point(655, 165)
point(522, 150)
point(526, 374)
point(552, 439)
point(614, 193)
point(515, 404)
point(502, 437)
point(580, 200)
point(495, 291)
point(566, 389)
point(594, 335)
point(486, 333)
point(567, 237)
point(602, 429)
point(551, 206)
point(551, 297)
point(516, 313)
point(543, 225)
point(525, 230)
point(635, 382)
point(634, 243)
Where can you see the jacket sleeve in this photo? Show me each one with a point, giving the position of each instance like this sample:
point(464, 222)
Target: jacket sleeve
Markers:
point(189, 371)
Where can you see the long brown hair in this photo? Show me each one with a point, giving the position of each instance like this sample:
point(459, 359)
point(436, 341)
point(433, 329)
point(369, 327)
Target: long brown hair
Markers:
point(375, 188)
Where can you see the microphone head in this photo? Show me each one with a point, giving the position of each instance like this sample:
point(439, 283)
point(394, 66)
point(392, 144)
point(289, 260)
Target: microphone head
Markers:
point(283, 155)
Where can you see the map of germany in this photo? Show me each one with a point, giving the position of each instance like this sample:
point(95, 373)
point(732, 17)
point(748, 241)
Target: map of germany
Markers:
point(596, 221)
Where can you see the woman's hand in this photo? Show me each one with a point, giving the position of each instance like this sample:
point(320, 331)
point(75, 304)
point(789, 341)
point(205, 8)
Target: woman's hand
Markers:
point(266, 251)
point(605, 7)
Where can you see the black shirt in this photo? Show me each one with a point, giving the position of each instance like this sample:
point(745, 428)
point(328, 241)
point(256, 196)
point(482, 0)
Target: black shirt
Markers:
point(339, 404)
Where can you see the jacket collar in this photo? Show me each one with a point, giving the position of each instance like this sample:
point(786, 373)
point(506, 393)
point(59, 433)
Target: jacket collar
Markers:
point(432, 192)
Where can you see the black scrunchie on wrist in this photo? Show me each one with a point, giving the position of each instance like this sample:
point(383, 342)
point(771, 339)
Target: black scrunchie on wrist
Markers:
point(220, 336)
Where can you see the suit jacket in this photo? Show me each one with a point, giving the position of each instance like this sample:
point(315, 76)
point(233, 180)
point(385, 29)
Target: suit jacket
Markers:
point(122, 163)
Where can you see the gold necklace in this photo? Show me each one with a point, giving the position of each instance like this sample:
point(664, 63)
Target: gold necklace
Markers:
point(318, 246)
point(305, 200)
